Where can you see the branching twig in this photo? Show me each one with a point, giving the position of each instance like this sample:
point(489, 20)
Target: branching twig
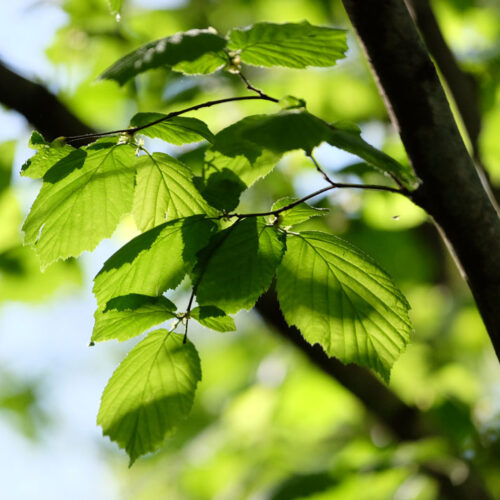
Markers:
point(321, 171)
point(249, 86)
point(188, 310)
point(134, 130)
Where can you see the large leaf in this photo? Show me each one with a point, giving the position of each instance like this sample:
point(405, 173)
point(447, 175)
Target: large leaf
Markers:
point(82, 199)
point(165, 190)
point(294, 45)
point(48, 154)
point(238, 265)
point(130, 315)
point(150, 393)
point(165, 52)
point(154, 261)
point(297, 129)
point(341, 299)
point(176, 130)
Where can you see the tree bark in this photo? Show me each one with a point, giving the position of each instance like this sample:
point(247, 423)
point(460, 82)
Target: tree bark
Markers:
point(451, 191)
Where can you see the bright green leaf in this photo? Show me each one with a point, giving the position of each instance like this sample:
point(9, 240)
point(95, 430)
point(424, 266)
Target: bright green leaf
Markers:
point(154, 261)
point(150, 393)
point(169, 51)
point(176, 130)
point(341, 299)
point(165, 190)
point(294, 45)
point(115, 6)
point(214, 318)
point(48, 154)
point(130, 315)
point(204, 65)
point(238, 265)
point(297, 214)
point(82, 199)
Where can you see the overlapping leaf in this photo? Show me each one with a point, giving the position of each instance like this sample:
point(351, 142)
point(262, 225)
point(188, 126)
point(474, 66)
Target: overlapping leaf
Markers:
point(81, 201)
point(176, 130)
point(339, 298)
point(165, 190)
point(154, 261)
point(294, 45)
point(166, 52)
point(299, 213)
point(130, 315)
point(204, 65)
point(214, 318)
point(150, 393)
point(238, 265)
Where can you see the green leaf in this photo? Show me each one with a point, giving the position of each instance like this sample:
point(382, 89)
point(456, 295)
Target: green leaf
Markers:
point(115, 6)
point(341, 299)
point(81, 201)
point(344, 136)
point(165, 190)
point(214, 318)
point(176, 130)
point(238, 265)
point(297, 214)
point(130, 315)
point(49, 153)
point(154, 261)
point(204, 65)
point(294, 45)
point(169, 51)
point(150, 393)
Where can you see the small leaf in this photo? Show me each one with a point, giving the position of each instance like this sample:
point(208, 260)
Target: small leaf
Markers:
point(294, 45)
point(130, 315)
point(165, 190)
point(238, 265)
point(204, 65)
point(291, 102)
point(297, 214)
point(341, 299)
point(214, 318)
point(150, 393)
point(176, 130)
point(82, 199)
point(169, 51)
point(221, 190)
point(154, 261)
point(49, 153)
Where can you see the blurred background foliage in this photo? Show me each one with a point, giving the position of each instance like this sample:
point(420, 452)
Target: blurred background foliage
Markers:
point(267, 424)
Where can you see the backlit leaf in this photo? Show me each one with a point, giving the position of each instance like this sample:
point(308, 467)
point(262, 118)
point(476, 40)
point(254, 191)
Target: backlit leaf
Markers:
point(150, 393)
point(339, 298)
point(294, 45)
point(297, 214)
point(214, 318)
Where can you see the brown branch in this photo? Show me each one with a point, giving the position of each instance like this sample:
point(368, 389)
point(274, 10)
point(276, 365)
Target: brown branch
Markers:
point(451, 191)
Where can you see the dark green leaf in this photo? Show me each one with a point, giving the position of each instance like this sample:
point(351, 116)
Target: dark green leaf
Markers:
point(294, 45)
point(82, 199)
point(176, 130)
point(165, 190)
point(150, 393)
point(168, 51)
point(341, 299)
point(154, 261)
point(297, 214)
point(238, 265)
point(130, 315)
point(214, 318)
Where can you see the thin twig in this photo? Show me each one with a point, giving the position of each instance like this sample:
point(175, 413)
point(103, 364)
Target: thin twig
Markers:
point(320, 170)
point(249, 86)
point(133, 130)
point(188, 310)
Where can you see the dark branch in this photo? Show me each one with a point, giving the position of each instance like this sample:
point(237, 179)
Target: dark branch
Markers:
point(451, 191)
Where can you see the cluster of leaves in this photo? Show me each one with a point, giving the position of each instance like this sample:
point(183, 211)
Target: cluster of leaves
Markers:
point(335, 294)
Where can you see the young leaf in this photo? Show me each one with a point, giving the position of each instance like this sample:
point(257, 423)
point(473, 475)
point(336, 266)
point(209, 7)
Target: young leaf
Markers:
point(169, 51)
point(238, 265)
point(176, 130)
point(82, 199)
point(297, 214)
point(154, 261)
point(150, 393)
point(341, 299)
point(165, 190)
point(214, 318)
point(48, 154)
point(294, 45)
point(130, 315)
